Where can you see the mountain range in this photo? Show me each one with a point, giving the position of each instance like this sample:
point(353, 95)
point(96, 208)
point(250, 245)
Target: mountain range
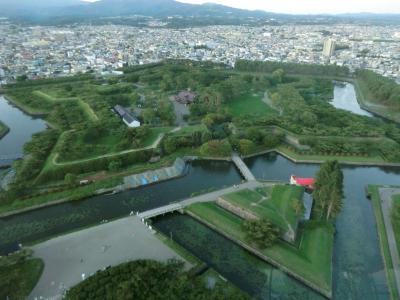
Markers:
point(112, 8)
point(71, 11)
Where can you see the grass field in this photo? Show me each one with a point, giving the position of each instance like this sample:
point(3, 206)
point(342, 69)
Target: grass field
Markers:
point(396, 221)
point(366, 99)
point(277, 205)
point(18, 280)
point(249, 105)
point(190, 129)
point(312, 260)
point(384, 244)
point(83, 105)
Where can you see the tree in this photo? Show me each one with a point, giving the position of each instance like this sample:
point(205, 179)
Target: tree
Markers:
point(328, 190)
point(277, 76)
point(246, 146)
point(70, 179)
point(263, 233)
point(114, 165)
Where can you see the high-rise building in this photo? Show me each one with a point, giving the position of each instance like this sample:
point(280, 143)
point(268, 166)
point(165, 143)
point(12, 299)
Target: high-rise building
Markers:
point(329, 47)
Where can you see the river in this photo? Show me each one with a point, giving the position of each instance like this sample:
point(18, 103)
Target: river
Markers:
point(22, 127)
point(344, 97)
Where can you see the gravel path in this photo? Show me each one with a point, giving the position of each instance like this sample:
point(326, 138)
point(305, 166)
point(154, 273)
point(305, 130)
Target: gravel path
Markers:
point(70, 256)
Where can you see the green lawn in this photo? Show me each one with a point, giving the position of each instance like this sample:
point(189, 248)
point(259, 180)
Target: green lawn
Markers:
point(83, 105)
point(154, 134)
point(190, 129)
point(18, 280)
point(276, 205)
point(249, 105)
point(375, 199)
point(396, 221)
point(312, 260)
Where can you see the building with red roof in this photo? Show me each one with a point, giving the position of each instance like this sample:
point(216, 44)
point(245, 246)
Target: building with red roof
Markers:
point(305, 182)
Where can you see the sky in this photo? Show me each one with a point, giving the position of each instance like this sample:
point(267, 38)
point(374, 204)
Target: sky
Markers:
point(311, 6)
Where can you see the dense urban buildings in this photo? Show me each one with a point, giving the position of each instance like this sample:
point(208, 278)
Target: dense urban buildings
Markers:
point(59, 51)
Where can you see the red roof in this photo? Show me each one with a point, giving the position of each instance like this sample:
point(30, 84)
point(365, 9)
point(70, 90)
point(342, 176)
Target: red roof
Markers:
point(305, 181)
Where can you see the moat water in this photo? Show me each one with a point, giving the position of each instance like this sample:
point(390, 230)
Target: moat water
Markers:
point(22, 127)
point(344, 97)
point(358, 270)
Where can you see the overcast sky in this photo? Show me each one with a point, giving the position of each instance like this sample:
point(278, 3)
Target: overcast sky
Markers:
point(312, 6)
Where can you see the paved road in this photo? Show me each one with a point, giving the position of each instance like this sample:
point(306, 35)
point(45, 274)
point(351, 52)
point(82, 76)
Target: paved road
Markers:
point(67, 257)
point(385, 195)
point(213, 196)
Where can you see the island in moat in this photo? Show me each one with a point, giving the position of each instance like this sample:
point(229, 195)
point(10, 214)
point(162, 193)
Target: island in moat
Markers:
point(107, 135)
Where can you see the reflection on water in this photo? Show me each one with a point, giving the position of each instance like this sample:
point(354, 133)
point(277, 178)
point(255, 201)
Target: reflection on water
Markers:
point(21, 127)
point(344, 97)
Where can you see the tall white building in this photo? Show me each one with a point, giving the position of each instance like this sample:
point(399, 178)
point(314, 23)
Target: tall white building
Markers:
point(329, 47)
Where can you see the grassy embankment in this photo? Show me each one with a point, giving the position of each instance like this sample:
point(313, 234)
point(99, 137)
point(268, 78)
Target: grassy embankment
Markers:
point(273, 203)
point(17, 280)
point(383, 239)
point(311, 261)
point(3, 129)
point(367, 101)
point(396, 221)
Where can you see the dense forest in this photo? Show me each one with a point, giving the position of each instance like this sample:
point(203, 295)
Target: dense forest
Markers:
point(146, 279)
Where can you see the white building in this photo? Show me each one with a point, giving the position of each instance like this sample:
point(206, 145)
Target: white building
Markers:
point(329, 47)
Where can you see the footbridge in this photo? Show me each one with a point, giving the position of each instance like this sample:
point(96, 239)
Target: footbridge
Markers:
point(244, 170)
point(213, 196)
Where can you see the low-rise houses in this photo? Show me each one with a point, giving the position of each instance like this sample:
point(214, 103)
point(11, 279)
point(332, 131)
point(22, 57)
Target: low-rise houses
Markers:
point(46, 51)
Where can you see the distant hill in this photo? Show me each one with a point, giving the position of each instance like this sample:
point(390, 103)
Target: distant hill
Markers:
point(59, 12)
point(113, 8)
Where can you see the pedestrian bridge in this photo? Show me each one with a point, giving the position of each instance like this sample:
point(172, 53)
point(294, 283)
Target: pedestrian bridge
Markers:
point(244, 170)
point(160, 211)
point(212, 196)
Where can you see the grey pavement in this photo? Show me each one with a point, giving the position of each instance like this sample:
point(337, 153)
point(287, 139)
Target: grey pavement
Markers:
point(69, 256)
point(385, 195)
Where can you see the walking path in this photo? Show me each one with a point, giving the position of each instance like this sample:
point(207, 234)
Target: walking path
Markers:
point(68, 257)
point(213, 196)
point(385, 195)
point(242, 167)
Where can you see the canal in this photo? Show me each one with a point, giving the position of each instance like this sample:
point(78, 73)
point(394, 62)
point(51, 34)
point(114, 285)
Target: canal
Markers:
point(22, 127)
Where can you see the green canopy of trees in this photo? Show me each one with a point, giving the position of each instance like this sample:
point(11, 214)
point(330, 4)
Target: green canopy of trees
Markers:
point(261, 232)
point(328, 191)
point(146, 279)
